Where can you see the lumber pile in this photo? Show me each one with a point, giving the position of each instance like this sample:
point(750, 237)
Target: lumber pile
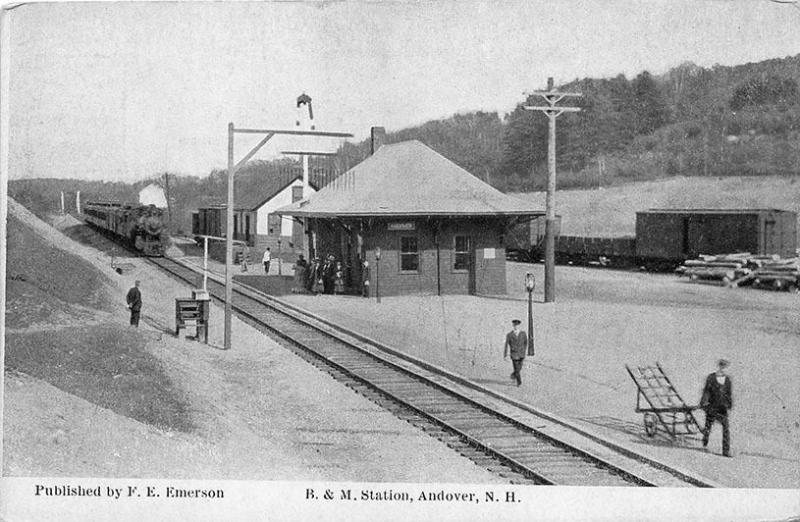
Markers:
point(725, 268)
point(743, 268)
point(778, 274)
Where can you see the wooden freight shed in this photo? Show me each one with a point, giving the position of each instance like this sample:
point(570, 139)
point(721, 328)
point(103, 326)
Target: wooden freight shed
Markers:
point(439, 229)
point(680, 234)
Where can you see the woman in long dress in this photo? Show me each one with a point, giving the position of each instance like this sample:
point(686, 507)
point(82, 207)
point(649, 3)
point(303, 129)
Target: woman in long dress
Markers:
point(299, 275)
point(338, 280)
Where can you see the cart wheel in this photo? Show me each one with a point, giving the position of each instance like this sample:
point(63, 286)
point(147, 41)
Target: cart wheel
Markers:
point(650, 424)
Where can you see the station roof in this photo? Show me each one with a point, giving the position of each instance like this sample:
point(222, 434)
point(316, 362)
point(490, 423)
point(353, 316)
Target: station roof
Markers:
point(408, 179)
point(709, 210)
point(253, 196)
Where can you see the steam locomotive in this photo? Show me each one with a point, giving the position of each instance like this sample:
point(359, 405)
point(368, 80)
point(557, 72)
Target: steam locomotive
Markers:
point(141, 227)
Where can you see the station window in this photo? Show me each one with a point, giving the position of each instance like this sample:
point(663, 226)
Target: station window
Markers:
point(409, 254)
point(297, 194)
point(461, 253)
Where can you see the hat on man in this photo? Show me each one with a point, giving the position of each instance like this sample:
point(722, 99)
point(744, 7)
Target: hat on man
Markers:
point(516, 321)
point(723, 363)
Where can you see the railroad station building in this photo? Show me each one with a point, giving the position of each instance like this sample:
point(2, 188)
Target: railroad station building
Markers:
point(423, 224)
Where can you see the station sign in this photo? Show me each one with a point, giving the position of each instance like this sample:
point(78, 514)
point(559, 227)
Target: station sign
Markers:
point(408, 225)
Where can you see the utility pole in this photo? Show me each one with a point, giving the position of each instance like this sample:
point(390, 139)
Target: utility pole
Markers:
point(552, 111)
point(169, 204)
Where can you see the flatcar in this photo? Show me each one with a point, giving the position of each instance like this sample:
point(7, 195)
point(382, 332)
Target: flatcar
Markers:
point(139, 226)
point(525, 242)
point(665, 238)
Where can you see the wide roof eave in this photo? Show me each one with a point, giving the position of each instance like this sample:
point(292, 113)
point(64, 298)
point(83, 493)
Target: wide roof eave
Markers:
point(322, 214)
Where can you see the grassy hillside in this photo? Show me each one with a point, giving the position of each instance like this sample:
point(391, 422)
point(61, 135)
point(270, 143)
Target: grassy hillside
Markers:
point(611, 212)
point(62, 329)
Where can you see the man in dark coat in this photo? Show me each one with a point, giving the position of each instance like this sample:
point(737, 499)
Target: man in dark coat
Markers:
point(134, 299)
point(517, 345)
point(328, 271)
point(716, 401)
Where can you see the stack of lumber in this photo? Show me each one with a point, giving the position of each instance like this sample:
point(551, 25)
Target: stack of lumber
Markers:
point(778, 273)
point(725, 268)
point(743, 268)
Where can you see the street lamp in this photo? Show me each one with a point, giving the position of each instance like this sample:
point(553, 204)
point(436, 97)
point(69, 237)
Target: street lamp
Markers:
point(530, 284)
point(378, 274)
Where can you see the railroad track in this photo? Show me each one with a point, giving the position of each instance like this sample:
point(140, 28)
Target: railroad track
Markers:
point(502, 444)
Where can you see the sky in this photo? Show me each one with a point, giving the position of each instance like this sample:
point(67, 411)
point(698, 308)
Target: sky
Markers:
point(127, 90)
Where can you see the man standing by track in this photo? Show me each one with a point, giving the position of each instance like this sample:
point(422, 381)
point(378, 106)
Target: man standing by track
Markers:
point(134, 299)
point(517, 344)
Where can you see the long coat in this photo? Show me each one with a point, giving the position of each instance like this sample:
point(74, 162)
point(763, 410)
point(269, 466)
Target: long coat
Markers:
point(134, 299)
point(717, 397)
point(517, 343)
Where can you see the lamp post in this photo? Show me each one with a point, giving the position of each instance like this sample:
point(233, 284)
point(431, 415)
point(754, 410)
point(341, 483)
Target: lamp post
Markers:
point(378, 274)
point(530, 284)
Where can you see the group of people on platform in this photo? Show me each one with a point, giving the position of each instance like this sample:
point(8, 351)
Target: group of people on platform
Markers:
point(320, 276)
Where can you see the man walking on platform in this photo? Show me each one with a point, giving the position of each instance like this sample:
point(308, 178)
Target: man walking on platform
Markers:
point(717, 400)
point(517, 345)
point(134, 299)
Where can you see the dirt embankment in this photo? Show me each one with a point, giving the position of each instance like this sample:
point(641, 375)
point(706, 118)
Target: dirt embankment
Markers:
point(61, 328)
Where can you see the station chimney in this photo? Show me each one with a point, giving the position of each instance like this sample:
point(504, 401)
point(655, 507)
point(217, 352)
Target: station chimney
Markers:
point(378, 138)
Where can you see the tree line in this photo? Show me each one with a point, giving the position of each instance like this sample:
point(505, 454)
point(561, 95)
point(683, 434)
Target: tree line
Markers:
point(741, 120)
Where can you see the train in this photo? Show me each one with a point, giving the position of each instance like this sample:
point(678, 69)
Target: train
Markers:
point(141, 227)
point(665, 238)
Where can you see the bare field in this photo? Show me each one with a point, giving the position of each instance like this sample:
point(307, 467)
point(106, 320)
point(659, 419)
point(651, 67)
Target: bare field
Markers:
point(611, 212)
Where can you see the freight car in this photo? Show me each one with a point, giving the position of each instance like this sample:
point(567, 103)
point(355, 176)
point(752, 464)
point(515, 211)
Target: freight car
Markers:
point(139, 226)
point(525, 242)
point(666, 238)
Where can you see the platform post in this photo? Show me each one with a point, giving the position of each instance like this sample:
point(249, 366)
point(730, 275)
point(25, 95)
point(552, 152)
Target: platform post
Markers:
point(205, 263)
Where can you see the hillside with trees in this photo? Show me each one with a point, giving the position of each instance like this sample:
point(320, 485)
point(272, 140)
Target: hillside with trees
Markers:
point(690, 121)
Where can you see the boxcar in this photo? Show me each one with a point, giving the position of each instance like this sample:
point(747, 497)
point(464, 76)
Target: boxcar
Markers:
point(676, 235)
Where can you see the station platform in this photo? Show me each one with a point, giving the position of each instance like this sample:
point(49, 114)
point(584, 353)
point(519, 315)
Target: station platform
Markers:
point(578, 373)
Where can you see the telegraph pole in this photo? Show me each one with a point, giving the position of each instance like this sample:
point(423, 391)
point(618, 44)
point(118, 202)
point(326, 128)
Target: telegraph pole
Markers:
point(552, 111)
point(169, 204)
